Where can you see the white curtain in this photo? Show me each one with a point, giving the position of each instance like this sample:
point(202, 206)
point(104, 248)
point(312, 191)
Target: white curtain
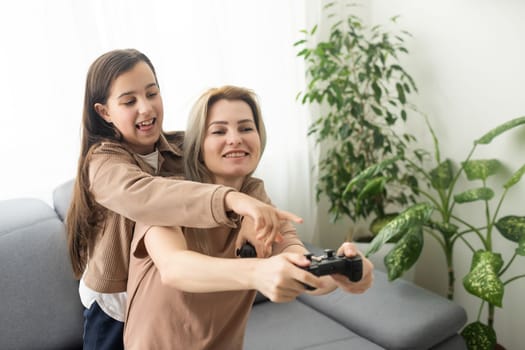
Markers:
point(47, 47)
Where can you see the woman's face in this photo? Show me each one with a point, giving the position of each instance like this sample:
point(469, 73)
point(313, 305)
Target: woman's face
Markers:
point(232, 147)
point(134, 106)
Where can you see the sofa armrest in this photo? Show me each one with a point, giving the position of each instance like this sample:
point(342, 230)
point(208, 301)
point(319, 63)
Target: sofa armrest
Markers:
point(394, 315)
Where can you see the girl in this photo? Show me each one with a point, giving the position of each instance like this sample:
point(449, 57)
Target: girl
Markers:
point(122, 177)
point(185, 289)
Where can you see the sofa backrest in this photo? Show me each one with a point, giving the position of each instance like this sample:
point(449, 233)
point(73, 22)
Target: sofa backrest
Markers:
point(39, 303)
point(62, 198)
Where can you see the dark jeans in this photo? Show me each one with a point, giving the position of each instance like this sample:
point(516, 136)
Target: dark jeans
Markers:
point(102, 332)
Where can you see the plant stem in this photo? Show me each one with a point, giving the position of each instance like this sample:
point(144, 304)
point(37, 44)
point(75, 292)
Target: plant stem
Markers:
point(513, 279)
point(450, 265)
point(480, 309)
point(474, 229)
point(467, 244)
point(508, 264)
point(438, 239)
point(490, 318)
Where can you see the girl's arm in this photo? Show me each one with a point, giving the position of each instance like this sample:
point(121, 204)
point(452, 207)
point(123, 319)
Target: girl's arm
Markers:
point(120, 185)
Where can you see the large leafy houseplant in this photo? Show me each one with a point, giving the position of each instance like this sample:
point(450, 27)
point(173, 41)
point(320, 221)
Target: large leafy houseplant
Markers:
point(438, 216)
point(356, 78)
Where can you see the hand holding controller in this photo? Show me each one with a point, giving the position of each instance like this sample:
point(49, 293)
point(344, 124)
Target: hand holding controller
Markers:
point(330, 263)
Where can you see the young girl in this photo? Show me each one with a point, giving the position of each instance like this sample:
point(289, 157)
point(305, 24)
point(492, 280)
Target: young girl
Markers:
point(122, 177)
point(185, 286)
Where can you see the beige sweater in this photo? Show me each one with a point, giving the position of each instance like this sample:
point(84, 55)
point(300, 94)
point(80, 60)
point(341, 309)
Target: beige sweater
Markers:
point(163, 317)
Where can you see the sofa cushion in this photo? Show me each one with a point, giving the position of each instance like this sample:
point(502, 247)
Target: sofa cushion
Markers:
point(39, 300)
point(294, 325)
point(396, 315)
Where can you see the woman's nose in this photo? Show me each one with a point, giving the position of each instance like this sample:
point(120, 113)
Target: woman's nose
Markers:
point(234, 138)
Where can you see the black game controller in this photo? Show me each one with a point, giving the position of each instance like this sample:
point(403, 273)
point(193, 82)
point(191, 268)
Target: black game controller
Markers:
point(247, 250)
point(330, 263)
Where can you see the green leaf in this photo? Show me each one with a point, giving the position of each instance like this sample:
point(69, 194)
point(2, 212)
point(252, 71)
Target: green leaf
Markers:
point(368, 173)
point(416, 215)
point(379, 222)
point(299, 42)
point(479, 336)
point(405, 253)
point(377, 91)
point(446, 228)
point(401, 93)
point(512, 227)
point(482, 279)
point(441, 176)
point(480, 169)
point(372, 188)
point(488, 137)
point(515, 178)
point(474, 194)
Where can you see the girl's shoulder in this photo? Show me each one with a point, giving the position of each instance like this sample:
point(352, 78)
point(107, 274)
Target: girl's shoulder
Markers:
point(174, 141)
point(110, 148)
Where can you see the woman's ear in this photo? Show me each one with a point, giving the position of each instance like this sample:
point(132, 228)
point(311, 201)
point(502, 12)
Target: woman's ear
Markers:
point(102, 111)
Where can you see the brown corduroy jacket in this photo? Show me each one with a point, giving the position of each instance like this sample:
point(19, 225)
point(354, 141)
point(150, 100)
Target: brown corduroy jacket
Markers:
point(130, 190)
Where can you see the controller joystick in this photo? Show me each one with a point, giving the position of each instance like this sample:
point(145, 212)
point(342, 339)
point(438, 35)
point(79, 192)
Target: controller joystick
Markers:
point(247, 250)
point(328, 264)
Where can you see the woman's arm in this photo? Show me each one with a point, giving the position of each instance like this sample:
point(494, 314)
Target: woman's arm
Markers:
point(279, 277)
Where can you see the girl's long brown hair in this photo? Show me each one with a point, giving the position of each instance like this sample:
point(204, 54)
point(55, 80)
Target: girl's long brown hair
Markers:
point(85, 216)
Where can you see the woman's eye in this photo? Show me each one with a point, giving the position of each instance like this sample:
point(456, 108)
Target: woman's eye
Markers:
point(217, 132)
point(153, 94)
point(129, 102)
point(247, 129)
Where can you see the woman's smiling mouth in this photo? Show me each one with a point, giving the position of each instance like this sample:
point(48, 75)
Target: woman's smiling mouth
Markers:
point(237, 154)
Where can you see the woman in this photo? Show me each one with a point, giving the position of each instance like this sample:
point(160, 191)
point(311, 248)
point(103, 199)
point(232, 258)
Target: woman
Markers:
point(186, 287)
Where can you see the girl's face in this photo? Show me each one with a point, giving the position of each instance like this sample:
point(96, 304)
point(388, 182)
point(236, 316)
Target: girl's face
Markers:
point(134, 106)
point(232, 147)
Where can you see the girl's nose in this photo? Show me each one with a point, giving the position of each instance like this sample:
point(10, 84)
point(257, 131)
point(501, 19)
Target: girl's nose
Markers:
point(145, 106)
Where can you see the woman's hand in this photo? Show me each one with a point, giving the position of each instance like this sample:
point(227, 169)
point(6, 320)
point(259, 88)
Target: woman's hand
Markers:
point(281, 279)
point(266, 218)
point(349, 250)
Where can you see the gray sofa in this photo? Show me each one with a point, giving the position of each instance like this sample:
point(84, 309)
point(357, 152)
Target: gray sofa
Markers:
point(40, 307)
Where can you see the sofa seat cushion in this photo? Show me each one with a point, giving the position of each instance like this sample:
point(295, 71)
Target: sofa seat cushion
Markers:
point(294, 325)
point(396, 315)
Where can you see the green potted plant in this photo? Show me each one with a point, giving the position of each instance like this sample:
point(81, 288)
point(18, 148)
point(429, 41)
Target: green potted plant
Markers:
point(438, 216)
point(356, 78)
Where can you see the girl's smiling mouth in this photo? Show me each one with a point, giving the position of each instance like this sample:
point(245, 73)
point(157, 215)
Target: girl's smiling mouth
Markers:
point(146, 124)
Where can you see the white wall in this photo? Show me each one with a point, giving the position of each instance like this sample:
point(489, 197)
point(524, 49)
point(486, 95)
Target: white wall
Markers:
point(467, 58)
point(47, 47)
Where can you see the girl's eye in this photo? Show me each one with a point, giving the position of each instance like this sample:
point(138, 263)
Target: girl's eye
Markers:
point(217, 132)
point(153, 94)
point(247, 129)
point(129, 102)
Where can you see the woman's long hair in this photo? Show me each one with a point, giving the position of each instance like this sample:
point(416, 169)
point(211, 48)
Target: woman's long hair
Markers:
point(196, 129)
point(85, 216)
